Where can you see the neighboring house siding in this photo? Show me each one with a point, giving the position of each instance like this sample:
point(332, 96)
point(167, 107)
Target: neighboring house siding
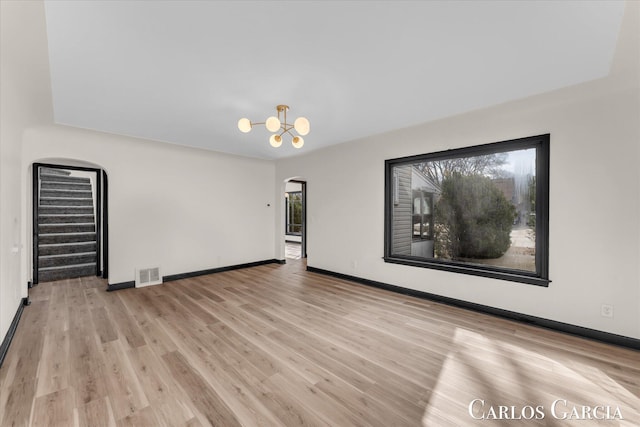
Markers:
point(402, 211)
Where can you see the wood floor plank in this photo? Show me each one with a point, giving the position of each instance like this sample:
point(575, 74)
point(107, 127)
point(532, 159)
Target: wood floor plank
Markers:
point(16, 410)
point(184, 287)
point(103, 325)
point(54, 409)
point(30, 342)
point(157, 338)
point(276, 345)
point(206, 400)
point(234, 378)
point(124, 321)
point(125, 391)
point(149, 371)
point(174, 412)
point(97, 413)
point(53, 372)
point(191, 306)
point(144, 417)
point(202, 286)
point(87, 375)
point(321, 405)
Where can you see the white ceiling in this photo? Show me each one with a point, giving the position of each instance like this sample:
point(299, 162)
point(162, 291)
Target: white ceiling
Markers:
point(185, 72)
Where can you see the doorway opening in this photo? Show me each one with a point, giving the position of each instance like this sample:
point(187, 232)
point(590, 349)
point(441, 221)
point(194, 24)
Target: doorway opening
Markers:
point(70, 227)
point(295, 219)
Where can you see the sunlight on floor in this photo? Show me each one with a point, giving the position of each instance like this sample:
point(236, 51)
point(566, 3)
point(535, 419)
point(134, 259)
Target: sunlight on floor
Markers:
point(485, 381)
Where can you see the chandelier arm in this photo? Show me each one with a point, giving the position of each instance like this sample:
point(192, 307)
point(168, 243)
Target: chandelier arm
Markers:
point(288, 131)
point(286, 127)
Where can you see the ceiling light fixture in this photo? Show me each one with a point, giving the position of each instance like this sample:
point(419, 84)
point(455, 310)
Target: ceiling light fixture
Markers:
point(279, 128)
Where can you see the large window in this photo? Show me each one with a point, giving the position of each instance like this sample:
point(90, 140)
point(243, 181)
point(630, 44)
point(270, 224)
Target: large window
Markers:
point(293, 202)
point(479, 210)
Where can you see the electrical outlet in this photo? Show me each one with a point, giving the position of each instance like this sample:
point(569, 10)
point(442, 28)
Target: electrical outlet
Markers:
point(606, 310)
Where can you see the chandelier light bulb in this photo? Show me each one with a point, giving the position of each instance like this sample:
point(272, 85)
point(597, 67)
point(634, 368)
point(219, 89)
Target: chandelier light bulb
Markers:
point(275, 141)
point(278, 126)
point(272, 124)
point(244, 125)
point(301, 125)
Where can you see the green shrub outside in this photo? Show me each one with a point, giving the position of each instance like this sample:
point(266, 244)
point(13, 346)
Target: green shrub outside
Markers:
point(473, 218)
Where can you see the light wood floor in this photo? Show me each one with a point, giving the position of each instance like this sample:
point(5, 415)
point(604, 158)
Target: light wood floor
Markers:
point(275, 345)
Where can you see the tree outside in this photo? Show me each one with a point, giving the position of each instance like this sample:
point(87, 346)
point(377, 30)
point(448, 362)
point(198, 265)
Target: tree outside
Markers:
point(473, 218)
point(484, 209)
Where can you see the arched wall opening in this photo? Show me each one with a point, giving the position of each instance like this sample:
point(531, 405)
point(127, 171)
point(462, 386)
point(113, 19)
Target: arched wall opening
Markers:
point(293, 235)
point(97, 176)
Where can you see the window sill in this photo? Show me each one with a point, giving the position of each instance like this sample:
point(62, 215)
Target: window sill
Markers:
point(509, 275)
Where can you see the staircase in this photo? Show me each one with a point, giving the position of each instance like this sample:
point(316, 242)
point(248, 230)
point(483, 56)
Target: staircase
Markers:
point(66, 226)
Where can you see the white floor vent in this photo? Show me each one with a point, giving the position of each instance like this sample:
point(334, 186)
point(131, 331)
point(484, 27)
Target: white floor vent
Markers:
point(148, 277)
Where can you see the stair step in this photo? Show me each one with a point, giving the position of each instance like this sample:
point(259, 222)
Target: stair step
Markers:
point(64, 201)
point(44, 177)
point(66, 238)
point(58, 210)
point(66, 248)
point(66, 228)
point(74, 194)
point(62, 267)
point(62, 260)
point(67, 219)
point(53, 185)
point(58, 273)
point(52, 171)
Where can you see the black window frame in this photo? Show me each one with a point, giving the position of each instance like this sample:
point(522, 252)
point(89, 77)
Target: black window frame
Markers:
point(288, 223)
point(541, 276)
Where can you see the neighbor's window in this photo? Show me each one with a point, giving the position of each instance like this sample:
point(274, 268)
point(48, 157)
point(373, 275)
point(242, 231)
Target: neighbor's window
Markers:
point(293, 202)
point(479, 210)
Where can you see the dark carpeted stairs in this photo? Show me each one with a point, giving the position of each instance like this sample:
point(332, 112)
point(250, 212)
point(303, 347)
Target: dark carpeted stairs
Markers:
point(66, 226)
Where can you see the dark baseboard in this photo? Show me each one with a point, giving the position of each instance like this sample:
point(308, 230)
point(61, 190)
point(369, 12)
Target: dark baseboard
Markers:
point(172, 277)
point(566, 328)
point(281, 261)
point(4, 348)
point(217, 270)
point(121, 285)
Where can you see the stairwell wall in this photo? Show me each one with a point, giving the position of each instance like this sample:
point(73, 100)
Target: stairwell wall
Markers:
point(25, 101)
point(181, 209)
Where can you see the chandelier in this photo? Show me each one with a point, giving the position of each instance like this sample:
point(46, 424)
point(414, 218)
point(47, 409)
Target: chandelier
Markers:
point(280, 127)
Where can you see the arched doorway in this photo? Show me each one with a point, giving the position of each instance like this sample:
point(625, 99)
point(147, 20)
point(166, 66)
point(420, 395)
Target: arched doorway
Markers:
point(70, 222)
point(295, 218)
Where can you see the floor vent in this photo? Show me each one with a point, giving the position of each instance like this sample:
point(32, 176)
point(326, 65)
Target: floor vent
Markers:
point(148, 277)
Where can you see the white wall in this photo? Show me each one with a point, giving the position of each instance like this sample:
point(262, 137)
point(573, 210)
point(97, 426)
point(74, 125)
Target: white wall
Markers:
point(25, 101)
point(594, 200)
point(178, 208)
point(293, 186)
